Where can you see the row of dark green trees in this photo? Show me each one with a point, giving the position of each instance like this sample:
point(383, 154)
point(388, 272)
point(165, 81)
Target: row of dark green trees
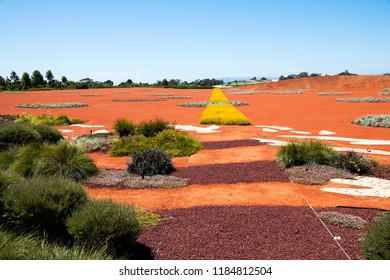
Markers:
point(37, 81)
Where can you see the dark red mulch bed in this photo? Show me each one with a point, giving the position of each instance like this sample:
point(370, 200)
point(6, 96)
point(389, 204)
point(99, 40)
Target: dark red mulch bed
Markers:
point(243, 233)
point(231, 144)
point(231, 173)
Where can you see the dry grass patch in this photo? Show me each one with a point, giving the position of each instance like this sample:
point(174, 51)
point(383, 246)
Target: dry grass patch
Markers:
point(316, 174)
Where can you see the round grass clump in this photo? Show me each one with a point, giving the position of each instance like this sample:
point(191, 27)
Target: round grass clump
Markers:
point(124, 127)
point(105, 223)
point(63, 159)
point(153, 127)
point(306, 152)
point(67, 160)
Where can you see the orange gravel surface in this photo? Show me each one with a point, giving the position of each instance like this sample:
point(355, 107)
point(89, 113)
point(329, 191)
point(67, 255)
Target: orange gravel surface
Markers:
point(303, 112)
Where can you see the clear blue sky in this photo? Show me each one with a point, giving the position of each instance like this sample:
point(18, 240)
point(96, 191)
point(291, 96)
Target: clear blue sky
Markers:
point(151, 40)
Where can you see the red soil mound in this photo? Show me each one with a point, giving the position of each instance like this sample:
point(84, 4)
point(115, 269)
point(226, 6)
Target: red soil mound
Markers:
point(331, 83)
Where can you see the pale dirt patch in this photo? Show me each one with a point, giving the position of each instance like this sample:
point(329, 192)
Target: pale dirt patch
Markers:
point(370, 187)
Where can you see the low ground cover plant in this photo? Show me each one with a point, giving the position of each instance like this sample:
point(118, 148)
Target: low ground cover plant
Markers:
point(342, 220)
point(247, 92)
point(316, 174)
point(156, 133)
point(326, 93)
point(363, 100)
point(51, 105)
point(139, 100)
point(62, 120)
point(298, 91)
point(374, 121)
point(218, 96)
point(376, 243)
point(123, 179)
point(95, 142)
point(225, 114)
point(176, 143)
point(386, 91)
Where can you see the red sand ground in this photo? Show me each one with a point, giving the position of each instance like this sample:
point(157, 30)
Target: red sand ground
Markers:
point(303, 112)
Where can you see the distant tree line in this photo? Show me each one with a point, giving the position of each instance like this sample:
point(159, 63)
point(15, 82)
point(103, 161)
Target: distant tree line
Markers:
point(299, 76)
point(37, 81)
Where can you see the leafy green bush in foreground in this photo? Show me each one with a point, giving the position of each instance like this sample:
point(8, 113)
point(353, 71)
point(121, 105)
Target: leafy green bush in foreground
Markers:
point(376, 243)
point(18, 134)
point(42, 204)
point(105, 223)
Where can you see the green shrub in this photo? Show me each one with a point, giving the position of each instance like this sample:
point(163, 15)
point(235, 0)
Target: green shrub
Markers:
point(13, 134)
point(177, 144)
point(124, 127)
point(19, 134)
point(67, 160)
point(22, 246)
point(355, 163)
point(48, 134)
point(63, 159)
point(306, 153)
point(153, 127)
point(376, 243)
point(150, 162)
point(42, 204)
point(105, 223)
point(128, 145)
